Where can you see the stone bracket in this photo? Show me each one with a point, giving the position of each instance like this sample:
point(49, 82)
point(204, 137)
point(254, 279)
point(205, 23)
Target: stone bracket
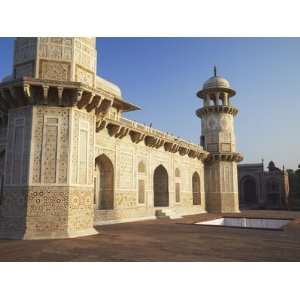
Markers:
point(154, 141)
point(216, 109)
point(136, 136)
point(100, 124)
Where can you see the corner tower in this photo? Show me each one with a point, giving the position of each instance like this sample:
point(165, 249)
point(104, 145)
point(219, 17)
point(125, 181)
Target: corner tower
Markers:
point(218, 138)
point(50, 110)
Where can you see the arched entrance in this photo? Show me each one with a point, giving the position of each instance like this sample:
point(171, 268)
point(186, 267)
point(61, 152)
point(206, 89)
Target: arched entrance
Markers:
point(249, 190)
point(161, 187)
point(104, 183)
point(196, 189)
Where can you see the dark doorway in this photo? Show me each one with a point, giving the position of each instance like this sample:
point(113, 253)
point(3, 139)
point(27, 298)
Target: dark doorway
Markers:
point(249, 190)
point(161, 187)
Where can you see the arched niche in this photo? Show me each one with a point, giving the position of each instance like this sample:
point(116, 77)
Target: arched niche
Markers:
point(104, 183)
point(177, 185)
point(141, 182)
point(196, 189)
point(141, 167)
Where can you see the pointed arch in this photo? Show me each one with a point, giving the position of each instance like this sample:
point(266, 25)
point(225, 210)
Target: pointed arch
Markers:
point(104, 183)
point(196, 189)
point(161, 186)
point(141, 167)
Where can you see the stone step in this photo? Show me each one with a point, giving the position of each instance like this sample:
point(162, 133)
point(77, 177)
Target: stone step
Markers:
point(161, 215)
point(171, 213)
point(167, 213)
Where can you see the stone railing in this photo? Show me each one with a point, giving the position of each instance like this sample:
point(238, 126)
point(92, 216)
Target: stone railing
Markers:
point(149, 129)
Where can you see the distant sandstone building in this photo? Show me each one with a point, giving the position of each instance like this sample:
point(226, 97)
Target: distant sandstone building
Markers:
point(70, 160)
point(263, 189)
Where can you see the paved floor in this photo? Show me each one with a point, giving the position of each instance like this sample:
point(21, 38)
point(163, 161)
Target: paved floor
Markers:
point(168, 240)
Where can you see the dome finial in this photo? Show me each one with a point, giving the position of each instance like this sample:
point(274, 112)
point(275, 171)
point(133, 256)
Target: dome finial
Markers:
point(215, 71)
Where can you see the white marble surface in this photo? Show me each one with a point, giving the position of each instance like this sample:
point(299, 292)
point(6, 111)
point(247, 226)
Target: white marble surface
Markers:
point(248, 223)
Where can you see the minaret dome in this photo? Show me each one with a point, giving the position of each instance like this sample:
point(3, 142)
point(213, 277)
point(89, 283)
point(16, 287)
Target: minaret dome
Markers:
point(216, 89)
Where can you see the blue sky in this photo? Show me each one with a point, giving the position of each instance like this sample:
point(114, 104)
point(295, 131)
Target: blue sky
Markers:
point(162, 76)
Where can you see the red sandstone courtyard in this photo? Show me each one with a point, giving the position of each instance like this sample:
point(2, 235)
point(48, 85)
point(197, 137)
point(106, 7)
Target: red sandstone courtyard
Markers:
point(168, 240)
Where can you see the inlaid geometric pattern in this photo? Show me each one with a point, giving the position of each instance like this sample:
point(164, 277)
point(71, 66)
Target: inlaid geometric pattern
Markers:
point(18, 146)
point(51, 143)
point(81, 150)
point(50, 153)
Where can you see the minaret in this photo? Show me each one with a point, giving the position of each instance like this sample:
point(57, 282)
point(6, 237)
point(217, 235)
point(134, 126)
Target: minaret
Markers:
point(218, 138)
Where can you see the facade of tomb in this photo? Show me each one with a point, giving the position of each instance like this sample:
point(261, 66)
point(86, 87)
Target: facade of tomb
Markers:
point(70, 160)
